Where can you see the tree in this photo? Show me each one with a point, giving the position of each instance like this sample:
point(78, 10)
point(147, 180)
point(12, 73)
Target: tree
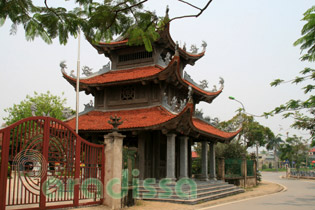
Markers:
point(233, 150)
point(39, 104)
point(96, 19)
point(296, 108)
point(252, 133)
point(274, 144)
point(294, 149)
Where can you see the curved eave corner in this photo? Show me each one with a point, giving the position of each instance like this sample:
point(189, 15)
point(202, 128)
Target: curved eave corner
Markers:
point(213, 132)
point(123, 75)
point(206, 96)
point(192, 58)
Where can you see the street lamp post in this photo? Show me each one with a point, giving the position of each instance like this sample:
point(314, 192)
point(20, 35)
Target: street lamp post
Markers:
point(232, 98)
point(244, 111)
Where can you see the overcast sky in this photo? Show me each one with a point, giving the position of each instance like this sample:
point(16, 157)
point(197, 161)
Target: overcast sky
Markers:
point(250, 43)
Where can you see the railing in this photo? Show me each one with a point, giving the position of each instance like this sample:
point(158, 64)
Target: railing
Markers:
point(303, 173)
point(233, 168)
point(250, 168)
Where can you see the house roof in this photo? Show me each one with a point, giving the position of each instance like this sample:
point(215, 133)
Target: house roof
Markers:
point(144, 118)
point(137, 118)
point(312, 150)
point(194, 154)
point(165, 38)
point(207, 128)
point(140, 74)
point(118, 75)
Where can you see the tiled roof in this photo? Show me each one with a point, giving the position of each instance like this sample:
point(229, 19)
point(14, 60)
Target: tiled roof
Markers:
point(114, 42)
point(140, 118)
point(205, 127)
point(207, 93)
point(194, 154)
point(201, 90)
point(312, 150)
point(137, 118)
point(120, 75)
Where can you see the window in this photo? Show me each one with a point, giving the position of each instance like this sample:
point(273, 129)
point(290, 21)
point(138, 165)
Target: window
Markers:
point(134, 56)
point(127, 93)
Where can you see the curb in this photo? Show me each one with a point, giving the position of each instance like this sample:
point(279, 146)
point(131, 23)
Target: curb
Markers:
point(283, 189)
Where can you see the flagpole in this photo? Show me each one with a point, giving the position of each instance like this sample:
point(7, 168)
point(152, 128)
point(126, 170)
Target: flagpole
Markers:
point(77, 87)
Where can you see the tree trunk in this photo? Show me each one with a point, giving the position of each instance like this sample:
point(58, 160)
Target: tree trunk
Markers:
point(257, 156)
point(276, 158)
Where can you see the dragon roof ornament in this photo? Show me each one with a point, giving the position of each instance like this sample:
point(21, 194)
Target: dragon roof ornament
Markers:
point(87, 71)
point(204, 83)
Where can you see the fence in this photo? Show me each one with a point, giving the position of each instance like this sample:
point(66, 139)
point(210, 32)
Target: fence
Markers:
point(250, 168)
point(233, 168)
point(302, 173)
point(46, 165)
point(240, 172)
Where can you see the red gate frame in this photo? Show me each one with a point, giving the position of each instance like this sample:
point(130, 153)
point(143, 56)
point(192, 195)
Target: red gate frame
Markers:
point(5, 159)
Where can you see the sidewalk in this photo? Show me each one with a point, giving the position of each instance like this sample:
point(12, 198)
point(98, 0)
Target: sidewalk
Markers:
point(265, 188)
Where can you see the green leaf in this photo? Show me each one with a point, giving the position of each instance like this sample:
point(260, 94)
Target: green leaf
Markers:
point(276, 82)
point(2, 21)
point(308, 88)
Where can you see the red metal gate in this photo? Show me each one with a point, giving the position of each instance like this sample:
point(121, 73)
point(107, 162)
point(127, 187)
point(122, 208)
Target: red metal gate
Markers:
point(44, 164)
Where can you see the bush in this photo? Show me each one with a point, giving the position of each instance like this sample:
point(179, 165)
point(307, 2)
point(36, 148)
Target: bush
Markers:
point(264, 167)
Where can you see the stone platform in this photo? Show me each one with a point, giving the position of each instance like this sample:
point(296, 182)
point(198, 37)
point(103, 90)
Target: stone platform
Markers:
point(185, 194)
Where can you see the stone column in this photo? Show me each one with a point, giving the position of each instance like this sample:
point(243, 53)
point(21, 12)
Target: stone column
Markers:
point(183, 157)
point(170, 156)
point(113, 168)
point(204, 161)
point(189, 159)
point(141, 153)
point(213, 175)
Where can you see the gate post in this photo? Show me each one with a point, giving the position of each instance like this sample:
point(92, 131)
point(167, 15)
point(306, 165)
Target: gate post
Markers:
point(113, 169)
point(4, 167)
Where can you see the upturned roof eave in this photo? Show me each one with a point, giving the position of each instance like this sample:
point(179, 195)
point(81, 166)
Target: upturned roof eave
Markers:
point(172, 124)
point(203, 94)
point(165, 70)
point(165, 38)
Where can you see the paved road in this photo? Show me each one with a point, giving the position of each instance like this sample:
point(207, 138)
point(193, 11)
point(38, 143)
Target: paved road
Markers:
point(300, 195)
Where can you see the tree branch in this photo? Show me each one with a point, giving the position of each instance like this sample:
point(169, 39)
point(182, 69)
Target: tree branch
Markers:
point(185, 2)
point(123, 9)
point(51, 10)
point(188, 16)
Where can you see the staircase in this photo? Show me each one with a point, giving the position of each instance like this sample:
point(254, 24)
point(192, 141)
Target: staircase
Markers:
point(204, 191)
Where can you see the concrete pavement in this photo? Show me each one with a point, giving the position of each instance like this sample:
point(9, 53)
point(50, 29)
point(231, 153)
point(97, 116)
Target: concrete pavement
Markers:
point(300, 195)
point(267, 189)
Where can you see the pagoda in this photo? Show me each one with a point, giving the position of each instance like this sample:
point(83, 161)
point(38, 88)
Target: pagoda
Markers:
point(156, 101)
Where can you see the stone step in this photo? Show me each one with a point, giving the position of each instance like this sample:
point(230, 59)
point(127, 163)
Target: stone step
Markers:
point(188, 190)
point(200, 193)
point(199, 199)
point(187, 187)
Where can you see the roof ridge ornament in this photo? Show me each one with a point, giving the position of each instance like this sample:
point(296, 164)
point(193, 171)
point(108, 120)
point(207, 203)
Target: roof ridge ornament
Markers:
point(176, 105)
point(87, 71)
point(204, 46)
point(115, 122)
point(176, 49)
point(190, 94)
point(194, 49)
point(204, 83)
point(88, 106)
